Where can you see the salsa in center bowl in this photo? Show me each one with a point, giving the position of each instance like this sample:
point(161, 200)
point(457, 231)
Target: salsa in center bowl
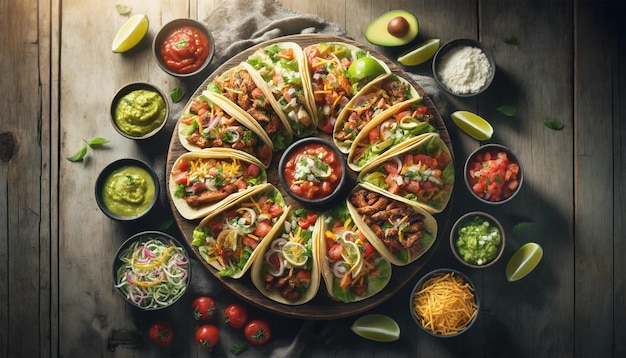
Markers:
point(312, 170)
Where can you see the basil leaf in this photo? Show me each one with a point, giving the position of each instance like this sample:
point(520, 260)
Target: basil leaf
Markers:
point(176, 94)
point(512, 40)
point(238, 348)
point(508, 111)
point(553, 123)
point(519, 227)
point(122, 9)
point(97, 142)
point(78, 156)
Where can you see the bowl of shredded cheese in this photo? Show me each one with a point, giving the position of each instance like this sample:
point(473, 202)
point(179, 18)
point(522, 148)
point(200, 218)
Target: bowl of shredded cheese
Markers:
point(463, 67)
point(444, 303)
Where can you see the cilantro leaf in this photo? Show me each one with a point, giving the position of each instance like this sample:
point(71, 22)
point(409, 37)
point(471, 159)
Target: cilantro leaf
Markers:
point(553, 123)
point(79, 155)
point(519, 227)
point(508, 111)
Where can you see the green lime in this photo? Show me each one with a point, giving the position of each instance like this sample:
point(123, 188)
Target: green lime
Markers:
point(420, 54)
point(295, 253)
point(131, 33)
point(365, 67)
point(473, 125)
point(523, 261)
point(377, 327)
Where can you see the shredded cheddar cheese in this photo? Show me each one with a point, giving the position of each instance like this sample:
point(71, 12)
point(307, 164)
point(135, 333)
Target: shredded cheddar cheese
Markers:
point(445, 304)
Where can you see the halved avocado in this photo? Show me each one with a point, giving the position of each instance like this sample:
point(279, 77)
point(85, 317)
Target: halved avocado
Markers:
point(403, 24)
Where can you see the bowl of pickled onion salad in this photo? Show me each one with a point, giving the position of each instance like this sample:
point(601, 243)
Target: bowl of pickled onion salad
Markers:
point(493, 174)
point(183, 47)
point(444, 303)
point(151, 270)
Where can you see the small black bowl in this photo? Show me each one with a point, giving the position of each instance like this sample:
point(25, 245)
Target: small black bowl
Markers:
point(114, 167)
point(299, 145)
point(166, 31)
point(493, 222)
point(161, 241)
point(492, 148)
point(420, 284)
point(127, 89)
point(446, 49)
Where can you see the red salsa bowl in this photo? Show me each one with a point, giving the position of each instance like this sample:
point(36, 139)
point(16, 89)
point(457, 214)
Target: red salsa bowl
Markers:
point(183, 47)
point(312, 171)
point(493, 174)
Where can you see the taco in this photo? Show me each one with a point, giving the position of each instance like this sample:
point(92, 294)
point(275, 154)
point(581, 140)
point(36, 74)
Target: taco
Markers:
point(280, 67)
point(401, 232)
point(209, 122)
point(241, 88)
point(202, 181)
point(388, 130)
point(420, 171)
point(327, 77)
point(286, 271)
point(230, 238)
point(378, 95)
point(352, 268)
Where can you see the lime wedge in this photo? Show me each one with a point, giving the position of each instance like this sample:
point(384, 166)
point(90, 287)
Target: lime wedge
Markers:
point(365, 67)
point(377, 327)
point(472, 124)
point(420, 54)
point(131, 33)
point(295, 253)
point(523, 261)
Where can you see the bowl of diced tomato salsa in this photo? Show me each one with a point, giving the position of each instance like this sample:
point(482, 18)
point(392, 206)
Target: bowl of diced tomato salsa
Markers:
point(313, 171)
point(493, 174)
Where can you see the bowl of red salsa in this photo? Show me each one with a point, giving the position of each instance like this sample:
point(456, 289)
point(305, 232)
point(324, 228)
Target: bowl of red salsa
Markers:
point(312, 171)
point(183, 47)
point(493, 174)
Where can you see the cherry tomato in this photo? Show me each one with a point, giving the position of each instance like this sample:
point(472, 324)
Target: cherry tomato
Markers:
point(235, 315)
point(161, 333)
point(203, 308)
point(257, 332)
point(207, 335)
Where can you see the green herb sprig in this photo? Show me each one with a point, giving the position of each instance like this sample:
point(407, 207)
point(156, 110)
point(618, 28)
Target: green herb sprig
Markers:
point(79, 155)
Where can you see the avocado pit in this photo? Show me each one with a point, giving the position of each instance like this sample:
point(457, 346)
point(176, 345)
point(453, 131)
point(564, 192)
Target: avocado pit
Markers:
point(398, 26)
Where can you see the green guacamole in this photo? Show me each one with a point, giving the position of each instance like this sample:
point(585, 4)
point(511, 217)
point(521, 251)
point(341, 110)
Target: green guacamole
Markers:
point(128, 191)
point(479, 241)
point(140, 112)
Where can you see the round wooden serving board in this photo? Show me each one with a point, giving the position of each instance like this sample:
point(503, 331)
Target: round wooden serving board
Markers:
point(321, 307)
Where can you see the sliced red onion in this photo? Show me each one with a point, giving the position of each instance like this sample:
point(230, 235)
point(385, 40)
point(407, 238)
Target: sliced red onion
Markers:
point(339, 270)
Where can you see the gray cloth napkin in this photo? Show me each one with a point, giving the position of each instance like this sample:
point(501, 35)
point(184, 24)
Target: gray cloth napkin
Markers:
point(236, 26)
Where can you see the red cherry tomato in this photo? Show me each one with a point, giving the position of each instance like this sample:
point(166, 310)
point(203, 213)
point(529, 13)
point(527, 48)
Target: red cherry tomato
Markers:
point(161, 333)
point(203, 308)
point(235, 315)
point(207, 335)
point(257, 332)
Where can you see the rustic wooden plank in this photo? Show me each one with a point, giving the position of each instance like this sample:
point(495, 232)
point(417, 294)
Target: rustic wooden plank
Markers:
point(90, 310)
point(538, 84)
point(599, 115)
point(25, 229)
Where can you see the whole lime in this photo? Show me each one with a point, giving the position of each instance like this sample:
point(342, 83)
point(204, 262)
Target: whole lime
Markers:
point(365, 67)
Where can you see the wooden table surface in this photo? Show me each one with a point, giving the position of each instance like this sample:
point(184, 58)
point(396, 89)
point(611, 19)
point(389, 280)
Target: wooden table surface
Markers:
point(58, 76)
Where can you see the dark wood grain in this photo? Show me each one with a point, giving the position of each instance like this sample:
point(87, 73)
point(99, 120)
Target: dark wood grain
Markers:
point(321, 307)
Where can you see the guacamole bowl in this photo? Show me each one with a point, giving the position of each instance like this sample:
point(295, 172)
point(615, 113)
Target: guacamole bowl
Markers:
point(477, 239)
point(127, 189)
point(139, 110)
point(151, 270)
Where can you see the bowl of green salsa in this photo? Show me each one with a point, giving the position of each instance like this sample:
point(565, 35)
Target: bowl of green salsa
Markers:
point(127, 189)
point(139, 110)
point(477, 239)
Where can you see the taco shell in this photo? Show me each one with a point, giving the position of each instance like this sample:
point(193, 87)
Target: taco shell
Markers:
point(362, 276)
point(383, 92)
point(228, 242)
point(393, 131)
point(288, 283)
point(221, 175)
point(401, 233)
point(219, 111)
point(285, 86)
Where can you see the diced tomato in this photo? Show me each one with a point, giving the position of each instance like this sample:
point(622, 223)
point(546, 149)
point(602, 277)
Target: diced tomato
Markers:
point(413, 186)
point(187, 119)
point(183, 165)
point(276, 210)
point(250, 242)
point(334, 252)
point(391, 167)
point(374, 134)
point(393, 186)
point(308, 220)
point(241, 184)
point(369, 249)
point(198, 188)
point(180, 178)
point(303, 275)
point(422, 110)
point(274, 259)
point(263, 228)
point(257, 93)
point(312, 54)
point(252, 171)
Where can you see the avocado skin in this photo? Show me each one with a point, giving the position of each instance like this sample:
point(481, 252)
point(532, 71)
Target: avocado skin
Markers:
point(377, 33)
